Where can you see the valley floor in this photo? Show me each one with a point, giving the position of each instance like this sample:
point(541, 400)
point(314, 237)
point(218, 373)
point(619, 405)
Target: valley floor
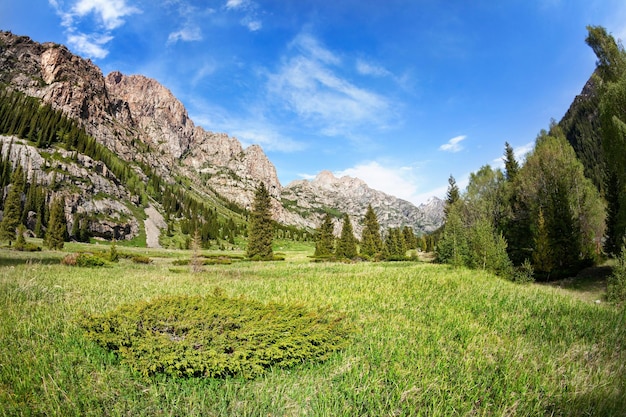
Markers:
point(427, 340)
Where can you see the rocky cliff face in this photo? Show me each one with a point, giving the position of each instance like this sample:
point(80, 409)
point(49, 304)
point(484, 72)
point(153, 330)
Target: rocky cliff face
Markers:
point(89, 188)
point(141, 120)
point(352, 196)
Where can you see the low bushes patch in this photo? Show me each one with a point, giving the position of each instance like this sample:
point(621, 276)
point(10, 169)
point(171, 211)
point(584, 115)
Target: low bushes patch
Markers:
point(215, 336)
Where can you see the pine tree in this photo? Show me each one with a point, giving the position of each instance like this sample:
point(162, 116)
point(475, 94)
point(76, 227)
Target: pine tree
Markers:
point(346, 247)
point(325, 238)
point(261, 228)
point(57, 225)
point(371, 241)
point(511, 167)
point(12, 206)
point(452, 195)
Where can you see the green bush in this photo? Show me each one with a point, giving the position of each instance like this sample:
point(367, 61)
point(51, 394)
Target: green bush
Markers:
point(89, 260)
point(616, 285)
point(140, 259)
point(215, 336)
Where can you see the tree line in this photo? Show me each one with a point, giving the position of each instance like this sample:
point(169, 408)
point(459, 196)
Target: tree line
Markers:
point(546, 218)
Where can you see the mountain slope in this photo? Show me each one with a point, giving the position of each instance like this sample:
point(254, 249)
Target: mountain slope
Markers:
point(141, 122)
point(311, 199)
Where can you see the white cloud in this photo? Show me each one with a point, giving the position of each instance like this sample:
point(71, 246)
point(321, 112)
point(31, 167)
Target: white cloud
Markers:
point(234, 4)
point(309, 84)
point(252, 25)
point(109, 15)
point(454, 144)
point(250, 11)
point(368, 68)
point(187, 34)
point(90, 45)
point(399, 182)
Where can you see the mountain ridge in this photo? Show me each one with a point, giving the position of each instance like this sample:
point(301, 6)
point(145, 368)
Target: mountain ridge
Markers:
point(142, 122)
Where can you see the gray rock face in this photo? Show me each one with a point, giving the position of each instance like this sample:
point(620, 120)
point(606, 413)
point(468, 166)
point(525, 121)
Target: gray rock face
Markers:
point(352, 196)
point(89, 188)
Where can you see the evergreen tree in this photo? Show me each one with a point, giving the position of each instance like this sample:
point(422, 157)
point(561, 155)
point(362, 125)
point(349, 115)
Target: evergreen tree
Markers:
point(410, 239)
point(261, 229)
point(511, 167)
point(12, 206)
point(346, 246)
point(57, 225)
point(452, 195)
point(452, 246)
point(325, 238)
point(371, 241)
point(552, 181)
point(395, 246)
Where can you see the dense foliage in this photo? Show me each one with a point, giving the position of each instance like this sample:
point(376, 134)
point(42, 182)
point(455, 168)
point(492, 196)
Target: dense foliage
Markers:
point(215, 336)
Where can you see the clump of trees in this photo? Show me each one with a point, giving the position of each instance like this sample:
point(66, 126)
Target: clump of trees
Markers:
point(545, 212)
point(546, 216)
point(372, 246)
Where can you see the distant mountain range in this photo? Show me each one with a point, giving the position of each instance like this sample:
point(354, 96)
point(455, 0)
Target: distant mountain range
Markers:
point(141, 122)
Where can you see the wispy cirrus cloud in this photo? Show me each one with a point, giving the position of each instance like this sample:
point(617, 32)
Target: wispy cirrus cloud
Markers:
point(250, 10)
point(187, 34)
point(454, 144)
point(107, 15)
point(309, 83)
point(370, 68)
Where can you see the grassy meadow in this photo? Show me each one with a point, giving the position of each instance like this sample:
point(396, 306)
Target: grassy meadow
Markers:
point(427, 340)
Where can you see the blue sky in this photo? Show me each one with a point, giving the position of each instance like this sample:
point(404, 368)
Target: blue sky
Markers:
point(399, 93)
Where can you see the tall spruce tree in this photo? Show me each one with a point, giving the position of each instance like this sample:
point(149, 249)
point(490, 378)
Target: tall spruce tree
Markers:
point(371, 241)
point(56, 234)
point(261, 227)
point(346, 246)
point(12, 206)
point(324, 238)
point(511, 166)
point(452, 195)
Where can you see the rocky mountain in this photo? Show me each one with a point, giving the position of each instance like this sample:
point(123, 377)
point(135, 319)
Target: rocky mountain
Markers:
point(311, 199)
point(141, 122)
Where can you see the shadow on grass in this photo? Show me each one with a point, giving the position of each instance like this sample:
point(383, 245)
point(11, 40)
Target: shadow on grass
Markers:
point(588, 284)
point(12, 258)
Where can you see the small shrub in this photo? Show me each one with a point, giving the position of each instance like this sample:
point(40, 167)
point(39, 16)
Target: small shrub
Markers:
point(616, 284)
point(27, 247)
point(89, 260)
point(140, 259)
point(180, 262)
point(215, 336)
point(524, 273)
point(69, 260)
point(113, 254)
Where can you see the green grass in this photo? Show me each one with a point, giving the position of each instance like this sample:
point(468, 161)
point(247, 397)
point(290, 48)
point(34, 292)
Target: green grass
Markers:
point(429, 340)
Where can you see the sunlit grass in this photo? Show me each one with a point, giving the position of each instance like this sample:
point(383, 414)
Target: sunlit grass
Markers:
point(430, 340)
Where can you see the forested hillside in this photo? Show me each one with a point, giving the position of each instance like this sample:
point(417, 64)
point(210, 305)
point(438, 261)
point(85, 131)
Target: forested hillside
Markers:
point(564, 208)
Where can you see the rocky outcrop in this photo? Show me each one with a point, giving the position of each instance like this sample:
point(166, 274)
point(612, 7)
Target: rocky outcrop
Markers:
point(88, 187)
point(352, 196)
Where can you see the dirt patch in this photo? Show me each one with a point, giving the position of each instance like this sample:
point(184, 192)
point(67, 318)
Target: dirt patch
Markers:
point(154, 223)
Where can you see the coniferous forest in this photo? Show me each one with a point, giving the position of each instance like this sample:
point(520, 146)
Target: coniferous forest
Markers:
point(564, 207)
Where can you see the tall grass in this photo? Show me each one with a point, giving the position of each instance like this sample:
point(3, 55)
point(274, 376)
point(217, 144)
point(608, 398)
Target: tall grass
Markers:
point(430, 341)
